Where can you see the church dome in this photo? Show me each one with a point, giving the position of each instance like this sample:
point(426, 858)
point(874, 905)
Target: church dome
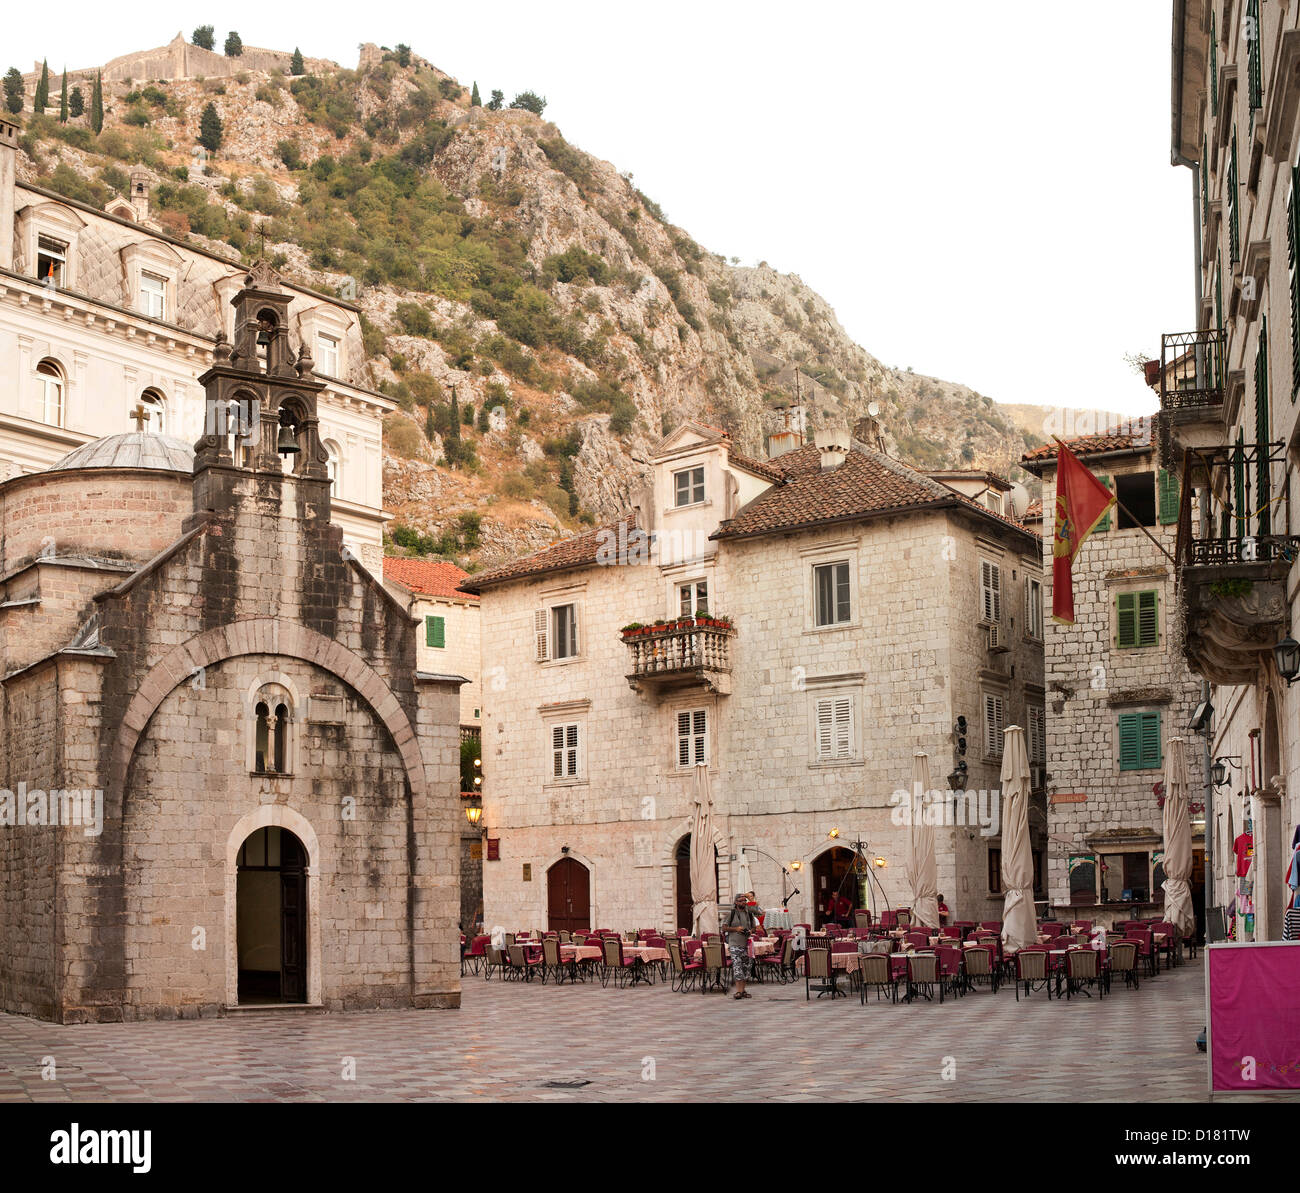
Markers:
point(132, 449)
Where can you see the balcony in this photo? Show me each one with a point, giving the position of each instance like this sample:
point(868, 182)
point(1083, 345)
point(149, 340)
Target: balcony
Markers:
point(1234, 550)
point(1192, 386)
point(680, 655)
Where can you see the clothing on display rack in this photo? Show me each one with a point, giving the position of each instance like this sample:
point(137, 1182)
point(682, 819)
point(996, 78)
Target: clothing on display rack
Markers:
point(1244, 848)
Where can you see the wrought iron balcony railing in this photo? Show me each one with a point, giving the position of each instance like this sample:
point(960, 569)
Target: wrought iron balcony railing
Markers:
point(1192, 369)
point(678, 651)
point(1238, 512)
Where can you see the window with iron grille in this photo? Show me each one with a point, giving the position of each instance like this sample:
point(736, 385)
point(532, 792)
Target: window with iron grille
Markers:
point(1139, 741)
point(692, 737)
point(1137, 619)
point(1251, 31)
point(566, 751)
point(995, 871)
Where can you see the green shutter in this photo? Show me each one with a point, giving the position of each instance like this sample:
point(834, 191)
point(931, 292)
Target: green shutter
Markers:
point(1214, 66)
point(1148, 618)
point(435, 632)
point(1166, 497)
point(1234, 221)
point(1293, 268)
point(1126, 619)
point(1205, 181)
point(1263, 485)
point(1150, 746)
point(1130, 741)
point(1238, 527)
point(1104, 524)
point(1218, 291)
point(1253, 55)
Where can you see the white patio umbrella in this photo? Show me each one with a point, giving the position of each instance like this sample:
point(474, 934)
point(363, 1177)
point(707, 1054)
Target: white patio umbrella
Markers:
point(704, 874)
point(1018, 922)
point(1178, 839)
point(922, 869)
point(744, 880)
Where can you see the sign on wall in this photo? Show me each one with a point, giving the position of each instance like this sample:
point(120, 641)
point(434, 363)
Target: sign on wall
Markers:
point(1252, 995)
point(494, 849)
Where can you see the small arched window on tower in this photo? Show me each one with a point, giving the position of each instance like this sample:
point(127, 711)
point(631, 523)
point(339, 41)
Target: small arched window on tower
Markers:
point(272, 732)
point(52, 389)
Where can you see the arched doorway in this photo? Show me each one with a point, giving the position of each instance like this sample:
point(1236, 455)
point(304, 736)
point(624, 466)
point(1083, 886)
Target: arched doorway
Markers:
point(271, 917)
point(568, 896)
point(685, 904)
point(829, 870)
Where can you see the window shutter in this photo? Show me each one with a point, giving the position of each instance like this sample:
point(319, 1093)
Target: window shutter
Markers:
point(993, 725)
point(1104, 524)
point(843, 727)
point(557, 751)
point(1167, 497)
point(1254, 56)
point(991, 591)
point(1148, 618)
point(1214, 66)
point(1293, 268)
point(699, 730)
point(683, 739)
point(1129, 741)
point(1125, 620)
point(842, 611)
point(573, 630)
point(1263, 426)
point(825, 727)
point(1239, 510)
point(435, 632)
point(1150, 740)
point(1234, 247)
point(571, 750)
point(542, 635)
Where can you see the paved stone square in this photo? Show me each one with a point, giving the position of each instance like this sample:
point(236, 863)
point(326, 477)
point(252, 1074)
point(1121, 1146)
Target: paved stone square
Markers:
point(510, 1040)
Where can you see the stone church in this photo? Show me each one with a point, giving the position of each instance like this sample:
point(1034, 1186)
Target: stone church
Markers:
point(223, 781)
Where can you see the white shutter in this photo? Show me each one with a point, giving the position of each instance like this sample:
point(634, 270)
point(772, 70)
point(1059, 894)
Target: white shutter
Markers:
point(557, 751)
point(571, 747)
point(574, 649)
point(843, 727)
point(683, 739)
point(541, 632)
point(825, 727)
point(993, 725)
point(699, 731)
point(990, 591)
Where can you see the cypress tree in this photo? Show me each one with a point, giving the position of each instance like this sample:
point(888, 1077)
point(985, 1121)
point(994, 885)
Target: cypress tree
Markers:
point(210, 129)
point(474, 100)
point(63, 99)
point(14, 90)
point(42, 90)
point(76, 103)
point(428, 422)
point(451, 444)
point(296, 64)
point(97, 104)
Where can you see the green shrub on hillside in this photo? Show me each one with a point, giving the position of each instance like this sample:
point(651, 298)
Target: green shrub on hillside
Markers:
point(576, 264)
point(570, 162)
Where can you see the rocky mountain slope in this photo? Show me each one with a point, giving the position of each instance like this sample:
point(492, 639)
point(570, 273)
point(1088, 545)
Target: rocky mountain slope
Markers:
point(540, 320)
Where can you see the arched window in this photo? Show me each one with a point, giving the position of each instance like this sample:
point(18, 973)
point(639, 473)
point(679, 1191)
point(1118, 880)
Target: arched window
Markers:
point(335, 466)
point(148, 415)
point(272, 732)
point(50, 377)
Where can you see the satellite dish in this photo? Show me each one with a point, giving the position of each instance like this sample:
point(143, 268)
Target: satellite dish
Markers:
point(873, 409)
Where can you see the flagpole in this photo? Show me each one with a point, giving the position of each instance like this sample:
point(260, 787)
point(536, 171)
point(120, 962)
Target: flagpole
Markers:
point(1136, 522)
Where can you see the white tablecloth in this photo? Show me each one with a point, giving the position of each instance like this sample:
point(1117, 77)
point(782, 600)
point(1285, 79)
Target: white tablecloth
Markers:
point(778, 919)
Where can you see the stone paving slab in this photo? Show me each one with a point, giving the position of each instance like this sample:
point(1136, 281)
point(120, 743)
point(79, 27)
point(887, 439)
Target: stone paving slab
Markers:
point(509, 1040)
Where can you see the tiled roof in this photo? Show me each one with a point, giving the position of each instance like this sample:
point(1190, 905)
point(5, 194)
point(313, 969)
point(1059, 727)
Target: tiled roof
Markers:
point(764, 468)
point(579, 551)
point(426, 577)
point(1088, 445)
point(1034, 511)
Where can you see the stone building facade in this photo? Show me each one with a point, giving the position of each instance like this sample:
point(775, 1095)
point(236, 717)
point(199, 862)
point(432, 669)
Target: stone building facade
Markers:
point(258, 789)
point(1230, 425)
point(106, 324)
point(859, 594)
point(1118, 688)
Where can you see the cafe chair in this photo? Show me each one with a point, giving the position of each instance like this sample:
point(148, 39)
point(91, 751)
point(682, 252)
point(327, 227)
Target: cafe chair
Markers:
point(980, 968)
point(1123, 960)
point(874, 973)
point(923, 977)
point(1031, 971)
point(1083, 968)
point(819, 975)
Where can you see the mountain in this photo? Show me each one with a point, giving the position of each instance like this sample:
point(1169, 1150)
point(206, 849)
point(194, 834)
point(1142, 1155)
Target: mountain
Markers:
point(540, 320)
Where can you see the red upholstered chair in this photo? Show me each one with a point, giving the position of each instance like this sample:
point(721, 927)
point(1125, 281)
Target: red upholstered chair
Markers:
point(991, 926)
point(950, 969)
point(844, 946)
point(920, 940)
point(1051, 929)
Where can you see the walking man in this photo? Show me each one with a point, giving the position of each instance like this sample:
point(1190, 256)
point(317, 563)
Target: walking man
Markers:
point(740, 924)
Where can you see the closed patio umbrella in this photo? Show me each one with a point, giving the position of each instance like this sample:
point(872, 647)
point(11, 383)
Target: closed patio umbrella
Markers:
point(704, 872)
point(744, 881)
point(922, 869)
point(1018, 922)
point(1178, 839)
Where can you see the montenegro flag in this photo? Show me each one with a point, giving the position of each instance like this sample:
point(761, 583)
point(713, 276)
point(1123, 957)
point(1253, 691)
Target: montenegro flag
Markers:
point(1081, 502)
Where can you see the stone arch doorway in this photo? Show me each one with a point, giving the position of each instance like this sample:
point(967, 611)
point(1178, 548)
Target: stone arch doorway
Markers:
point(829, 870)
point(568, 896)
point(271, 917)
point(684, 904)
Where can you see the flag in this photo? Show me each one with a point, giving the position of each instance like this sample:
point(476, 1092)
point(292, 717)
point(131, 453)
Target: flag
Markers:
point(1081, 502)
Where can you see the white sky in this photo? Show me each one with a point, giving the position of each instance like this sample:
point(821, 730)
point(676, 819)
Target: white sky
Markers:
point(982, 191)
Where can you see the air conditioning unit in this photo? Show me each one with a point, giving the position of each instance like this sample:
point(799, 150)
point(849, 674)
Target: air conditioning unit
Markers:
point(997, 638)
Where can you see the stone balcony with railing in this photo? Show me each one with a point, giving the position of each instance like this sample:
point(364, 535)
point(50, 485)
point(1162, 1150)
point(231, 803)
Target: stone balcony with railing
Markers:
point(1234, 551)
point(668, 656)
point(1193, 384)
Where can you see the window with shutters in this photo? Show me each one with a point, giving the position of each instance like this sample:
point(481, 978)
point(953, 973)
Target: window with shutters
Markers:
point(555, 633)
point(831, 593)
point(1234, 251)
point(1205, 181)
point(1037, 736)
point(1293, 273)
point(1167, 495)
point(567, 751)
point(995, 721)
point(688, 486)
point(1251, 32)
point(435, 632)
point(692, 737)
point(1139, 741)
point(1137, 619)
point(1218, 291)
point(990, 592)
point(1214, 65)
point(995, 871)
point(835, 738)
point(1135, 500)
point(1034, 608)
point(1263, 427)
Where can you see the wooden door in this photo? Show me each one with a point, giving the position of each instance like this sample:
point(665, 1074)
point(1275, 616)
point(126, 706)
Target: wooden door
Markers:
point(293, 919)
point(568, 896)
point(685, 904)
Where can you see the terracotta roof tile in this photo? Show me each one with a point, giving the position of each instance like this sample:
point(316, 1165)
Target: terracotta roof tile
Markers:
point(1129, 435)
point(1034, 511)
point(579, 551)
point(426, 577)
point(763, 468)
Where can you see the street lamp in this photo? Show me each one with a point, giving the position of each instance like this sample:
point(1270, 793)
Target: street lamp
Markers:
point(474, 814)
point(1287, 656)
point(1220, 768)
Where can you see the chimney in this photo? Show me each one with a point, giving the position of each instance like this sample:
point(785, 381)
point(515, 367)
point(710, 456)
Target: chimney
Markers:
point(140, 193)
point(8, 181)
point(833, 447)
point(790, 436)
